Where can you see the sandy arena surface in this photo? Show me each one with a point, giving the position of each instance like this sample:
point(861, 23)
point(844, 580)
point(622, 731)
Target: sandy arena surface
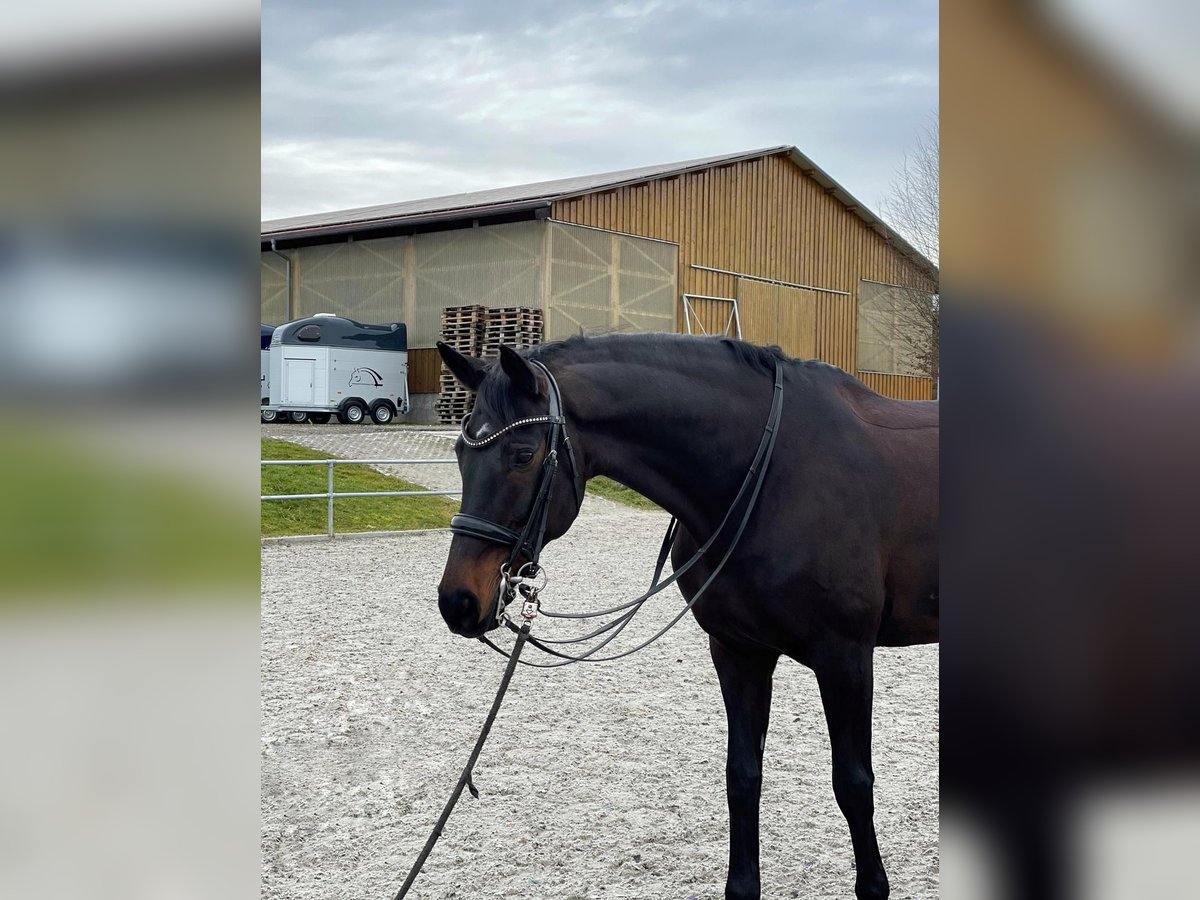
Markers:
point(598, 781)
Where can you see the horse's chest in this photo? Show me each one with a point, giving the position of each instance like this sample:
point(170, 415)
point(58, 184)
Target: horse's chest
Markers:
point(757, 605)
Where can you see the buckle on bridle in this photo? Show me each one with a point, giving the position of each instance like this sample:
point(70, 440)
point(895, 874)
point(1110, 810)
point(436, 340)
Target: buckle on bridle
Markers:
point(530, 580)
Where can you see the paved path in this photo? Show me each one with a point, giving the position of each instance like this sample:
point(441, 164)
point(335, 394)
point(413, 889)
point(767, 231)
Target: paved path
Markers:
point(381, 442)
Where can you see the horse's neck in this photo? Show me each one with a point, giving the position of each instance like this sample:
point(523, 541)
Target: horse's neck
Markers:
point(685, 445)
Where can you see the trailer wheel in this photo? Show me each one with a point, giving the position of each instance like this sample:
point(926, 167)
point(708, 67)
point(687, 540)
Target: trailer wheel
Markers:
point(318, 418)
point(381, 413)
point(353, 413)
point(268, 416)
point(299, 418)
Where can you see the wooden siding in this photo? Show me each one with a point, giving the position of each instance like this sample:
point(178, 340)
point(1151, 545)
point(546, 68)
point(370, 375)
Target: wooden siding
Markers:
point(765, 218)
point(785, 316)
point(424, 367)
point(901, 387)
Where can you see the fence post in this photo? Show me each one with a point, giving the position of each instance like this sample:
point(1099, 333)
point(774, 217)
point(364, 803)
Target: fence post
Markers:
point(329, 466)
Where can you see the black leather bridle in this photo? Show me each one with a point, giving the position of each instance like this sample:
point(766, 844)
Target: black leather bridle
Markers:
point(527, 542)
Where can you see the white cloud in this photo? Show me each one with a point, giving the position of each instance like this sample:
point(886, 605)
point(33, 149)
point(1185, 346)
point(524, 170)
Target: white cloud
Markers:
point(374, 105)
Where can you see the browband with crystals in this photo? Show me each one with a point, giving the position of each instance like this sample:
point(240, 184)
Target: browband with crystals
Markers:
point(520, 423)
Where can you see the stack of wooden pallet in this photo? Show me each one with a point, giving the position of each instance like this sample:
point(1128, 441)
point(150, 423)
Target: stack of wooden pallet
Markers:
point(476, 331)
point(515, 326)
point(462, 329)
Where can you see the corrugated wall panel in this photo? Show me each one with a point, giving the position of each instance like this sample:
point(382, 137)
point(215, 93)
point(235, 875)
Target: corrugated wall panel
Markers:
point(363, 280)
point(894, 333)
point(496, 266)
point(601, 281)
point(412, 279)
point(273, 308)
point(901, 387)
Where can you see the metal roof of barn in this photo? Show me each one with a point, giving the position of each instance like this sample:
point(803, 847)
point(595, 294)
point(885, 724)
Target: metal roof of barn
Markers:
point(527, 197)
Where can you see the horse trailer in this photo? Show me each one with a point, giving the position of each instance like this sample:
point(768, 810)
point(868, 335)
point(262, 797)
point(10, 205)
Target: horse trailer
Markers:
point(328, 365)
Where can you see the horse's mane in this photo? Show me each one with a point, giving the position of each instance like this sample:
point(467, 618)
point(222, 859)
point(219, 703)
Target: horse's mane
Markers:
point(665, 347)
point(661, 347)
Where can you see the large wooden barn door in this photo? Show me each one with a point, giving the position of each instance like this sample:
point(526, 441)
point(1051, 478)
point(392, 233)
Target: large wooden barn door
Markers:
point(774, 314)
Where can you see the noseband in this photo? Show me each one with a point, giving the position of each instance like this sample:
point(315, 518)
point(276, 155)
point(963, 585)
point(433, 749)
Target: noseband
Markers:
point(531, 538)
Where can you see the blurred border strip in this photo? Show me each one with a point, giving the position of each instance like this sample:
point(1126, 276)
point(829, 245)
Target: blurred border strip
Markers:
point(1070, 489)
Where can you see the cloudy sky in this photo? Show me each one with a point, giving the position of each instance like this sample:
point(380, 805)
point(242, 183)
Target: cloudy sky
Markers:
point(376, 101)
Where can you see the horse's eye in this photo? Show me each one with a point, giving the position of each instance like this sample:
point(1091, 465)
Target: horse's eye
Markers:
point(523, 457)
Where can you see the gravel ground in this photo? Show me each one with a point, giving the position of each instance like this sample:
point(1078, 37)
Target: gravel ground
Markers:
point(599, 781)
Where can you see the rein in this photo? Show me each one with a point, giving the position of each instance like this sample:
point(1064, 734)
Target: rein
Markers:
point(530, 541)
point(465, 778)
point(752, 483)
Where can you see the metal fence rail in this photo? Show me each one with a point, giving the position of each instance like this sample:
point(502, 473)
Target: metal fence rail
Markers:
point(328, 495)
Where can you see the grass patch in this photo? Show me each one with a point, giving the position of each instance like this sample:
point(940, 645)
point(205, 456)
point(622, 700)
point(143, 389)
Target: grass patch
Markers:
point(294, 517)
point(614, 490)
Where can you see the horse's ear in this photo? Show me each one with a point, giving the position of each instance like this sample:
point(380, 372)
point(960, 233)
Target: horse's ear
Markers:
point(519, 371)
point(467, 369)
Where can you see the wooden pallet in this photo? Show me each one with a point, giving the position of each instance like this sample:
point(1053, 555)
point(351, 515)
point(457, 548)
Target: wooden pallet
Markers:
point(453, 413)
point(480, 332)
point(518, 327)
point(514, 312)
point(473, 312)
point(463, 327)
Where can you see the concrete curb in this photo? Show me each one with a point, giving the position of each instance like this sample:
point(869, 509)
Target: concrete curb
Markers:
point(345, 535)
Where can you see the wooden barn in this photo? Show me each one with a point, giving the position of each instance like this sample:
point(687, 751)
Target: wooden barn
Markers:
point(761, 244)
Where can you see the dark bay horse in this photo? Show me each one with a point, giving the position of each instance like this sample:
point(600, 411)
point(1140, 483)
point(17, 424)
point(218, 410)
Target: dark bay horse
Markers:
point(839, 556)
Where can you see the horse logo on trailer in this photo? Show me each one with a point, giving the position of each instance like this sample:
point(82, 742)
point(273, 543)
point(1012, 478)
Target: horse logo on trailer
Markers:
point(366, 375)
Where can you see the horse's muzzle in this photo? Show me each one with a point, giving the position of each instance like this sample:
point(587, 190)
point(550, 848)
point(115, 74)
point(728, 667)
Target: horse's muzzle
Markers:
point(461, 610)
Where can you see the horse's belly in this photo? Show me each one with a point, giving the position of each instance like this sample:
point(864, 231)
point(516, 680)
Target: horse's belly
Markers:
point(912, 620)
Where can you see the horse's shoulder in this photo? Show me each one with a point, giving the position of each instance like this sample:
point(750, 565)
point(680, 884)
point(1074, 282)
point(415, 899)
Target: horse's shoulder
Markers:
point(884, 412)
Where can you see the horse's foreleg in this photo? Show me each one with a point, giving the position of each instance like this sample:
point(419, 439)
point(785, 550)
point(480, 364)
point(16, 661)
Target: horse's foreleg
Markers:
point(844, 675)
point(746, 687)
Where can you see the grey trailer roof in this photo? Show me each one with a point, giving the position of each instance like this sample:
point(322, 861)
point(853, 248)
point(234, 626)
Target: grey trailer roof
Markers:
point(335, 331)
point(524, 197)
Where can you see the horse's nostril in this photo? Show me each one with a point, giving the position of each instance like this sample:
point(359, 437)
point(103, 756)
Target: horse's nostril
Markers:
point(460, 608)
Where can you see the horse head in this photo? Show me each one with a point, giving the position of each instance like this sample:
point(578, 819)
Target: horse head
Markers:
point(507, 465)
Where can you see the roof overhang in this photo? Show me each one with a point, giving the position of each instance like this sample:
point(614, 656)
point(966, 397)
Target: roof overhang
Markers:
point(379, 222)
point(390, 225)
